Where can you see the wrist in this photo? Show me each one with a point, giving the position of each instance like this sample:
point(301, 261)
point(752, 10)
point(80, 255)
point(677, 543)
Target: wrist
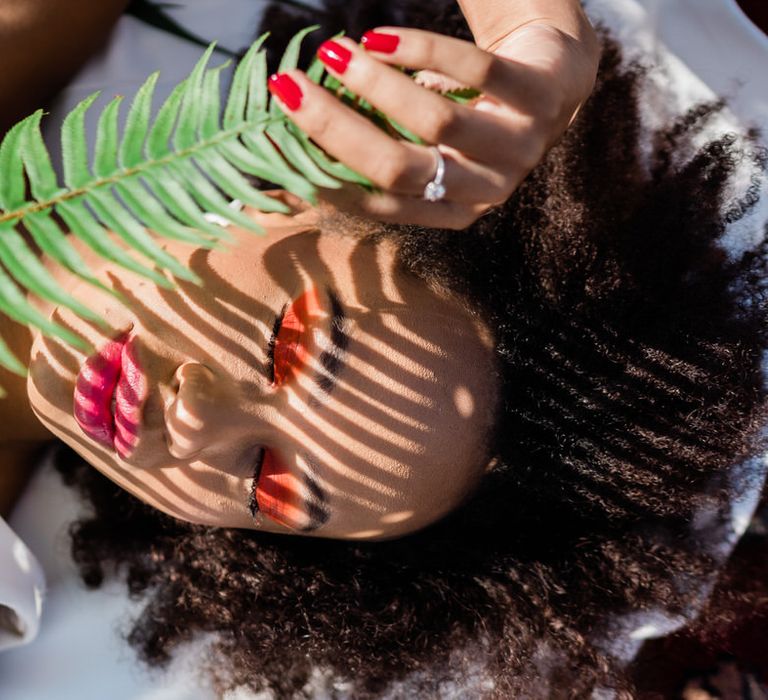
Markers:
point(493, 21)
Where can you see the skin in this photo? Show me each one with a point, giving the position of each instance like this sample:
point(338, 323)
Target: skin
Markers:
point(398, 443)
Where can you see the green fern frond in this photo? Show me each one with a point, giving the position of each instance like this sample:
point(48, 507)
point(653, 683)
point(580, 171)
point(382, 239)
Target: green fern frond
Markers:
point(158, 177)
point(161, 174)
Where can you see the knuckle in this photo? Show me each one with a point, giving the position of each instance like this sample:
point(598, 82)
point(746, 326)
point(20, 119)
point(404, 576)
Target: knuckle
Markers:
point(390, 169)
point(441, 122)
point(429, 50)
point(482, 69)
point(550, 109)
point(529, 153)
point(320, 124)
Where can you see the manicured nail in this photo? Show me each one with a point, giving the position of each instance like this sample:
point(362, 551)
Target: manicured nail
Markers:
point(286, 89)
point(335, 56)
point(378, 41)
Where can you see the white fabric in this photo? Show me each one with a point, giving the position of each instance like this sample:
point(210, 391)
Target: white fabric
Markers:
point(707, 46)
point(22, 585)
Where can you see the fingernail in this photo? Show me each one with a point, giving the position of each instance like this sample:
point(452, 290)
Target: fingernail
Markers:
point(378, 41)
point(335, 56)
point(286, 89)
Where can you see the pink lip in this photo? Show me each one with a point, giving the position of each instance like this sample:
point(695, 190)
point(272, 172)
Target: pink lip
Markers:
point(112, 372)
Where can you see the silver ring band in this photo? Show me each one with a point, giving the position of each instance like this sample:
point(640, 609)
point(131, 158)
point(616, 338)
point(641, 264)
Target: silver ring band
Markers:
point(435, 189)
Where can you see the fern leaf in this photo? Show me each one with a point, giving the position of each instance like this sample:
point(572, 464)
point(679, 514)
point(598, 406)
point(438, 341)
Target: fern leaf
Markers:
point(114, 215)
point(158, 141)
point(209, 198)
point(244, 85)
point(210, 124)
point(74, 147)
point(154, 214)
point(53, 242)
point(158, 178)
point(137, 124)
point(12, 182)
point(229, 180)
point(37, 162)
point(105, 153)
point(79, 219)
point(16, 306)
point(183, 207)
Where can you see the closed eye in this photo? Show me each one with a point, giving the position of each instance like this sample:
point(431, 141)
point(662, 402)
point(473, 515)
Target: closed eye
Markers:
point(270, 366)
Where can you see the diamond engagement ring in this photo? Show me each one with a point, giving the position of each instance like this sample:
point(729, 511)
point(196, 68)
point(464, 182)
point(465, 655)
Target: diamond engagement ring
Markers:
point(435, 189)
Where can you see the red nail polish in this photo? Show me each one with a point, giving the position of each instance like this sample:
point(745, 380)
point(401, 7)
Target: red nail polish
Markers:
point(286, 89)
point(335, 56)
point(377, 41)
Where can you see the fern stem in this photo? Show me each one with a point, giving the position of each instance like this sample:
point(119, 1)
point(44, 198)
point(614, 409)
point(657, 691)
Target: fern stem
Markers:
point(222, 136)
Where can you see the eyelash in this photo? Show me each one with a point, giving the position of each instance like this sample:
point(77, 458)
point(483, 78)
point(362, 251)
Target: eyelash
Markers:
point(271, 346)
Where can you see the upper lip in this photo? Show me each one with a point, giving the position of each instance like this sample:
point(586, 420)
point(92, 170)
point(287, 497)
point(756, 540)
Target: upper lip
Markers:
point(111, 376)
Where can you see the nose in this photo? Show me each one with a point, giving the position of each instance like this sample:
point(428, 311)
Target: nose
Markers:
point(202, 411)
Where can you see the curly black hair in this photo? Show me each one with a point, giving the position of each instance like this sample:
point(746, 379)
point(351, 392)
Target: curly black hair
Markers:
point(630, 346)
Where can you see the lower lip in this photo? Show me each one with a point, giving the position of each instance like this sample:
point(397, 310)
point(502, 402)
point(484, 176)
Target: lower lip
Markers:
point(112, 373)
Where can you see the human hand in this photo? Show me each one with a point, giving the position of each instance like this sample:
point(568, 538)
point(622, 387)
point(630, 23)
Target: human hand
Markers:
point(533, 82)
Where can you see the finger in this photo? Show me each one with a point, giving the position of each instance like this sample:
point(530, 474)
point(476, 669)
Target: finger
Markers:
point(505, 79)
point(395, 209)
point(349, 137)
point(427, 114)
point(396, 166)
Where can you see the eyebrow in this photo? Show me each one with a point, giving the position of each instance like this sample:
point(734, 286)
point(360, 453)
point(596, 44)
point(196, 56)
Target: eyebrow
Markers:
point(334, 360)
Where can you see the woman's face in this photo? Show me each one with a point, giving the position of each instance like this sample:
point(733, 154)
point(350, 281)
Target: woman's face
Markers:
point(307, 386)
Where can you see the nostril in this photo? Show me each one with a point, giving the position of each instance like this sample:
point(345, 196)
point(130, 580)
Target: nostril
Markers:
point(189, 410)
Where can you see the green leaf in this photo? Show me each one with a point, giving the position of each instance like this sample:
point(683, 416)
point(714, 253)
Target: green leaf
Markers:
point(258, 95)
point(209, 198)
point(273, 170)
point(137, 123)
point(10, 362)
point(37, 162)
point(242, 85)
point(154, 215)
point(316, 70)
point(159, 139)
point(26, 268)
point(74, 146)
point(12, 182)
point(462, 95)
point(298, 158)
point(290, 59)
point(209, 126)
point(114, 215)
point(53, 242)
point(229, 180)
point(16, 306)
point(163, 174)
point(183, 207)
point(79, 219)
point(105, 152)
point(192, 105)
